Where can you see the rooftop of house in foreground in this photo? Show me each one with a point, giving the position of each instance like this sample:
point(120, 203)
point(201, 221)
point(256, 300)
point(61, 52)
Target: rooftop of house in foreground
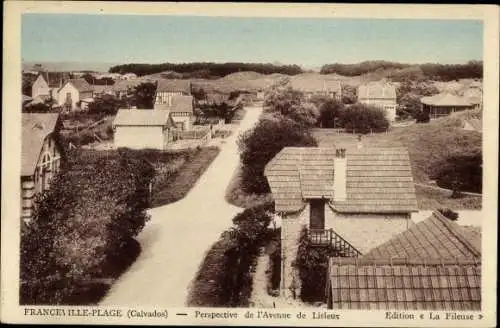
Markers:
point(378, 179)
point(435, 265)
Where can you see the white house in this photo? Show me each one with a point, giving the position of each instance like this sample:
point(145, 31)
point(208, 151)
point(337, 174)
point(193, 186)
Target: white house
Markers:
point(381, 95)
point(181, 109)
point(351, 199)
point(143, 128)
point(41, 89)
point(75, 93)
point(40, 157)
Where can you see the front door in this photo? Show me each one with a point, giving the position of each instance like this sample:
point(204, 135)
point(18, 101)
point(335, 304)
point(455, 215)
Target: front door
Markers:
point(317, 214)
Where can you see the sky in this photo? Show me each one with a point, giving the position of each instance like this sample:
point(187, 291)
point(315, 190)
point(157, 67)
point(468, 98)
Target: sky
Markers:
point(309, 42)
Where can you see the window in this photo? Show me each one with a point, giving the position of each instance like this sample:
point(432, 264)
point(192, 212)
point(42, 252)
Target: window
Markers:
point(317, 214)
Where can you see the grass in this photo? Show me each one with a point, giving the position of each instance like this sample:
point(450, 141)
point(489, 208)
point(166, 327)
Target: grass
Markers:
point(237, 197)
point(174, 182)
point(429, 145)
point(208, 286)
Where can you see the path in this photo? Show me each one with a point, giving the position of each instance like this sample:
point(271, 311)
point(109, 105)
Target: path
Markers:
point(174, 242)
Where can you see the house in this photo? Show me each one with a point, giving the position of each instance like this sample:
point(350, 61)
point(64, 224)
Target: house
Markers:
point(122, 88)
point(312, 86)
point(171, 87)
point(380, 95)
point(44, 88)
point(434, 265)
point(75, 93)
point(444, 104)
point(143, 128)
point(181, 109)
point(40, 157)
point(356, 198)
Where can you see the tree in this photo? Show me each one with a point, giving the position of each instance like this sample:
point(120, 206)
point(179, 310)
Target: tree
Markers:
point(38, 107)
point(260, 144)
point(364, 119)
point(349, 95)
point(283, 99)
point(199, 94)
point(106, 104)
point(305, 115)
point(144, 95)
point(98, 206)
point(330, 113)
point(448, 213)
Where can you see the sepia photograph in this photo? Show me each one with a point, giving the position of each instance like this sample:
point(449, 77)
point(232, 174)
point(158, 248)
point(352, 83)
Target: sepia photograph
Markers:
point(268, 163)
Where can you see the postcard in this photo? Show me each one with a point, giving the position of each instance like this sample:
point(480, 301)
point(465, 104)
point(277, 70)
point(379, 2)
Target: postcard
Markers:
point(249, 164)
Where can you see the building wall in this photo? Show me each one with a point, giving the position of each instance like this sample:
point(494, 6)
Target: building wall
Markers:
point(366, 231)
point(182, 120)
point(388, 105)
point(40, 88)
point(48, 164)
point(363, 231)
point(166, 97)
point(139, 137)
point(75, 95)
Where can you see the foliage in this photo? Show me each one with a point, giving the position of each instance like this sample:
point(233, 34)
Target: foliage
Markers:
point(209, 69)
point(144, 95)
point(224, 278)
point(106, 104)
point(305, 115)
point(97, 207)
point(408, 97)
point(472, 69)
point(96, 81)
point(364, 119)
point(448, 213)
point(27, 83)
point(199, 93)
point(39, 107)
point(349, 94)
point(330, 113)
point(260, 144)
point(312, 263)
point(461, 173)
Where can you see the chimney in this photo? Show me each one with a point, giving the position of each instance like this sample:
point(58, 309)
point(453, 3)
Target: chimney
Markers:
point(339, 175)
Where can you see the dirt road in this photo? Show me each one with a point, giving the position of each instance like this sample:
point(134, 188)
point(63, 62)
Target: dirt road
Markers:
point(174, 242)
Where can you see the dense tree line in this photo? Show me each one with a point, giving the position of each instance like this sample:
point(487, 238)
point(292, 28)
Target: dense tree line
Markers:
point(443, 72)
point(210, 69)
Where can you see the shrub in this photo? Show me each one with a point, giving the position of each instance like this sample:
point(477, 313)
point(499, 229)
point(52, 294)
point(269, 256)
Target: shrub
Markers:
point(461, 173)
point(96, 205)
point(312, 263)
point(260, 144)
point(449, 213)
point(330, 113)
point(364, 119)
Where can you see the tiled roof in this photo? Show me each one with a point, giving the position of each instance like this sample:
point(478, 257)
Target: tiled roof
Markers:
point(445, 99)
point(309, 84)
point(35, 128)
point(403, 284)
point(143, 117)
point(180, 104)
point(125, 85)
point(299, 172)
point(434, 238)
point(174, 85)
point(377, 91)
point(80, 84)
point(379, 180)
point(102, 88)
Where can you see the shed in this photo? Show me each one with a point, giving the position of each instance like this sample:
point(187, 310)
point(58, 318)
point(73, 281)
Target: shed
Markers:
point(143, 128)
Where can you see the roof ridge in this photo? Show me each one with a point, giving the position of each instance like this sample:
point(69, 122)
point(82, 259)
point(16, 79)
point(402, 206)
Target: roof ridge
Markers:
point(452, 227)
point(396, 261)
